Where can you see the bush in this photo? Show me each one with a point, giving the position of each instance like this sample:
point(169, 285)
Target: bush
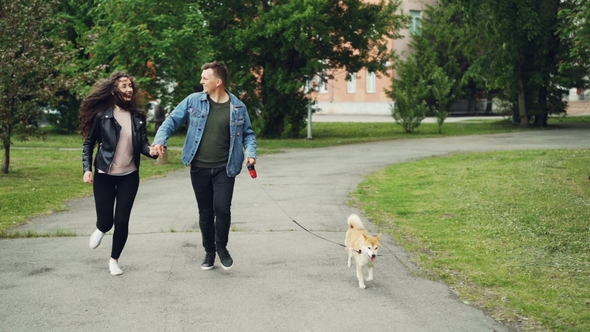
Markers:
point(409, 92)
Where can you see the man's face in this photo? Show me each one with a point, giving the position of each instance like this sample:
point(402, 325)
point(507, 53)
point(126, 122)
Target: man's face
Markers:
point(209, 81)
point(125, 88)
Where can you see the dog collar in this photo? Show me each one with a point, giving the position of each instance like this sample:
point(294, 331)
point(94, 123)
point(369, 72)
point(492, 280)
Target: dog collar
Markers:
point(357, 251)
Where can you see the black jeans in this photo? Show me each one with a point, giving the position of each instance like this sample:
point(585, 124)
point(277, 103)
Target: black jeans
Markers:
point(109, 189)
point(214, 191)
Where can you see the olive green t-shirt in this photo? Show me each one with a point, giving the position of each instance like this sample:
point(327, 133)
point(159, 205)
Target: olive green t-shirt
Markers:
point(213, 151)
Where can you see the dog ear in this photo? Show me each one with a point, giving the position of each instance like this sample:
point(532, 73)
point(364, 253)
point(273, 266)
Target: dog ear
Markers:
point(365, 236)
point(378, 237)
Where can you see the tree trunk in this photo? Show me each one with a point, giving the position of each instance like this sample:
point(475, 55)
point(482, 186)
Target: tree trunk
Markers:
point(524, 120)
point(274, 126)
point(550, 9)
point(6, 161)
point(541, 119)
point(273, 112)
point(6, 145)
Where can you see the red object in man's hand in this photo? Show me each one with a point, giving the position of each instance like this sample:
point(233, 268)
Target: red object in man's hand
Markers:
point(252, 171)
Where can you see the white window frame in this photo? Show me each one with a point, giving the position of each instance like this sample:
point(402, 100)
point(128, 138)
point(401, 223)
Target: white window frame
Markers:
point(322, 85)
point(415, 22)
point(351, 83)
point(371, 82)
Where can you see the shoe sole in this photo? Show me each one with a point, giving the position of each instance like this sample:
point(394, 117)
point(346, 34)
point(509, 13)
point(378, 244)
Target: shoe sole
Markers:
point(226, 267)
point(115, 272)
point(205, 268)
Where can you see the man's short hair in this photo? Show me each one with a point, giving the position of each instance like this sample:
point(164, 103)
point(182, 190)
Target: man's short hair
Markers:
point(219, 70)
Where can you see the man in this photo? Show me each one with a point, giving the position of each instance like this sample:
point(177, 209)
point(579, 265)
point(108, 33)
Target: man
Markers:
point(218, 139)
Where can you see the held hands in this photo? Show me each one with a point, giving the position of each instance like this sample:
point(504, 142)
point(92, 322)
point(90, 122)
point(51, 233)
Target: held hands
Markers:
point(157, 150)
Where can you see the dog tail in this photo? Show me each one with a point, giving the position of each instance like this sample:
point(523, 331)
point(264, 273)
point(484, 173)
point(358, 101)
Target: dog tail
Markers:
point(354, 222)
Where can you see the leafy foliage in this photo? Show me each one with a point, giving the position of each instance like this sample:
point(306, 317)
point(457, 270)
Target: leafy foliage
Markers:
point(31, 59)
point(521, 54)
point(273, 49)
point(163, 45)
point(574, 30)
point(446, 41)
point(409, 91)
point(74, 22)
point(441, 89)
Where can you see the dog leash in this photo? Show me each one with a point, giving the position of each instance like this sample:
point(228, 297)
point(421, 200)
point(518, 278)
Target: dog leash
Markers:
point(323, 238)
point(298, 224)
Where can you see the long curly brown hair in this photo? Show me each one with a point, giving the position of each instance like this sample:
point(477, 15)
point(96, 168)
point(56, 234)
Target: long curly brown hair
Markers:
point(104, 95)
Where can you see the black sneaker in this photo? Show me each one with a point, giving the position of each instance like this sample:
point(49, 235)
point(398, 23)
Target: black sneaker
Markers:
point(226, 261)
point(208, 261)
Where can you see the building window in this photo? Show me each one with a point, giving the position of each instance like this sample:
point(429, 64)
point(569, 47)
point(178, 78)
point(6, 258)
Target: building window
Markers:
point(415, 21)
point(317, 85)
point(351, 83)
point(308, 87)
point(322, 85)
point(371, 82)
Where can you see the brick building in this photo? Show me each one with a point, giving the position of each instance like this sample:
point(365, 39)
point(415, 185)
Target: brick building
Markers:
point(365, 93)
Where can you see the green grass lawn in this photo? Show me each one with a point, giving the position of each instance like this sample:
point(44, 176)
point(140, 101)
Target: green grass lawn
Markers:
point(42, 180)
point(508, 230)
point(46, 173)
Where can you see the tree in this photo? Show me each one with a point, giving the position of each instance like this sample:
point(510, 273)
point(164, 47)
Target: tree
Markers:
point(441, 89)
point(447, 42)
point(574, 31)
point(31, 59)
point(274, 48)
point(409, 91)
point(521, 54)
point(74, 23)
point(162, 44)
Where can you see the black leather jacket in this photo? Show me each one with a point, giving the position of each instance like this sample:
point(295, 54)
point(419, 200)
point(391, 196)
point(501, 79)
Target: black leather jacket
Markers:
point(105, 131)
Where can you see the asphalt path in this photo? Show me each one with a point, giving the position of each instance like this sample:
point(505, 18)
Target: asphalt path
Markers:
point(283, 279)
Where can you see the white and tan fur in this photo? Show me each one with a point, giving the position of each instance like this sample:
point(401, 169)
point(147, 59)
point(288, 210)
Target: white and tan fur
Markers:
point(362, 246)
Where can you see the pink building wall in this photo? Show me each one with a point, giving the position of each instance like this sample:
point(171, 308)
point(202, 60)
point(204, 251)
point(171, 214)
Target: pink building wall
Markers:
point(336, 97)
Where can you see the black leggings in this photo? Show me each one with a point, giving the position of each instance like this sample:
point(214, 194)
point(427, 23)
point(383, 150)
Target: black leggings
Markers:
point(109, 189)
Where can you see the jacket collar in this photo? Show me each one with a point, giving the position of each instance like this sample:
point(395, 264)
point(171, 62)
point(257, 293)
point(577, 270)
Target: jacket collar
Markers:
point(109, 113)
point(232, 99)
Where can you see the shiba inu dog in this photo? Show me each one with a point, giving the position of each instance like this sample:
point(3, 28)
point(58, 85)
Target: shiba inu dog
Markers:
point(362, 246)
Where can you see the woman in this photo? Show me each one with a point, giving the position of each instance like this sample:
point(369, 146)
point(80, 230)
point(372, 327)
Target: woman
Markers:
point(109, 117)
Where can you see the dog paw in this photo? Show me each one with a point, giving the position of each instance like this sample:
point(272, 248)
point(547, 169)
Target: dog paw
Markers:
point(362, 286)
point(369, 278)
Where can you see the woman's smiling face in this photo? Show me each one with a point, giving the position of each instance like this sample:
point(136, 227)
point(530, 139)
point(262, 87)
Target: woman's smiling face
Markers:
point(125, 88)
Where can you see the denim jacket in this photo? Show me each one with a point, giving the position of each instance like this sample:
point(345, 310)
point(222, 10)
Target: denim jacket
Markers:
point(194, 109)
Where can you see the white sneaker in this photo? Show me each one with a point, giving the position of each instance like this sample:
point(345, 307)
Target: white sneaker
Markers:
point(95, 239)
point(114, 268)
